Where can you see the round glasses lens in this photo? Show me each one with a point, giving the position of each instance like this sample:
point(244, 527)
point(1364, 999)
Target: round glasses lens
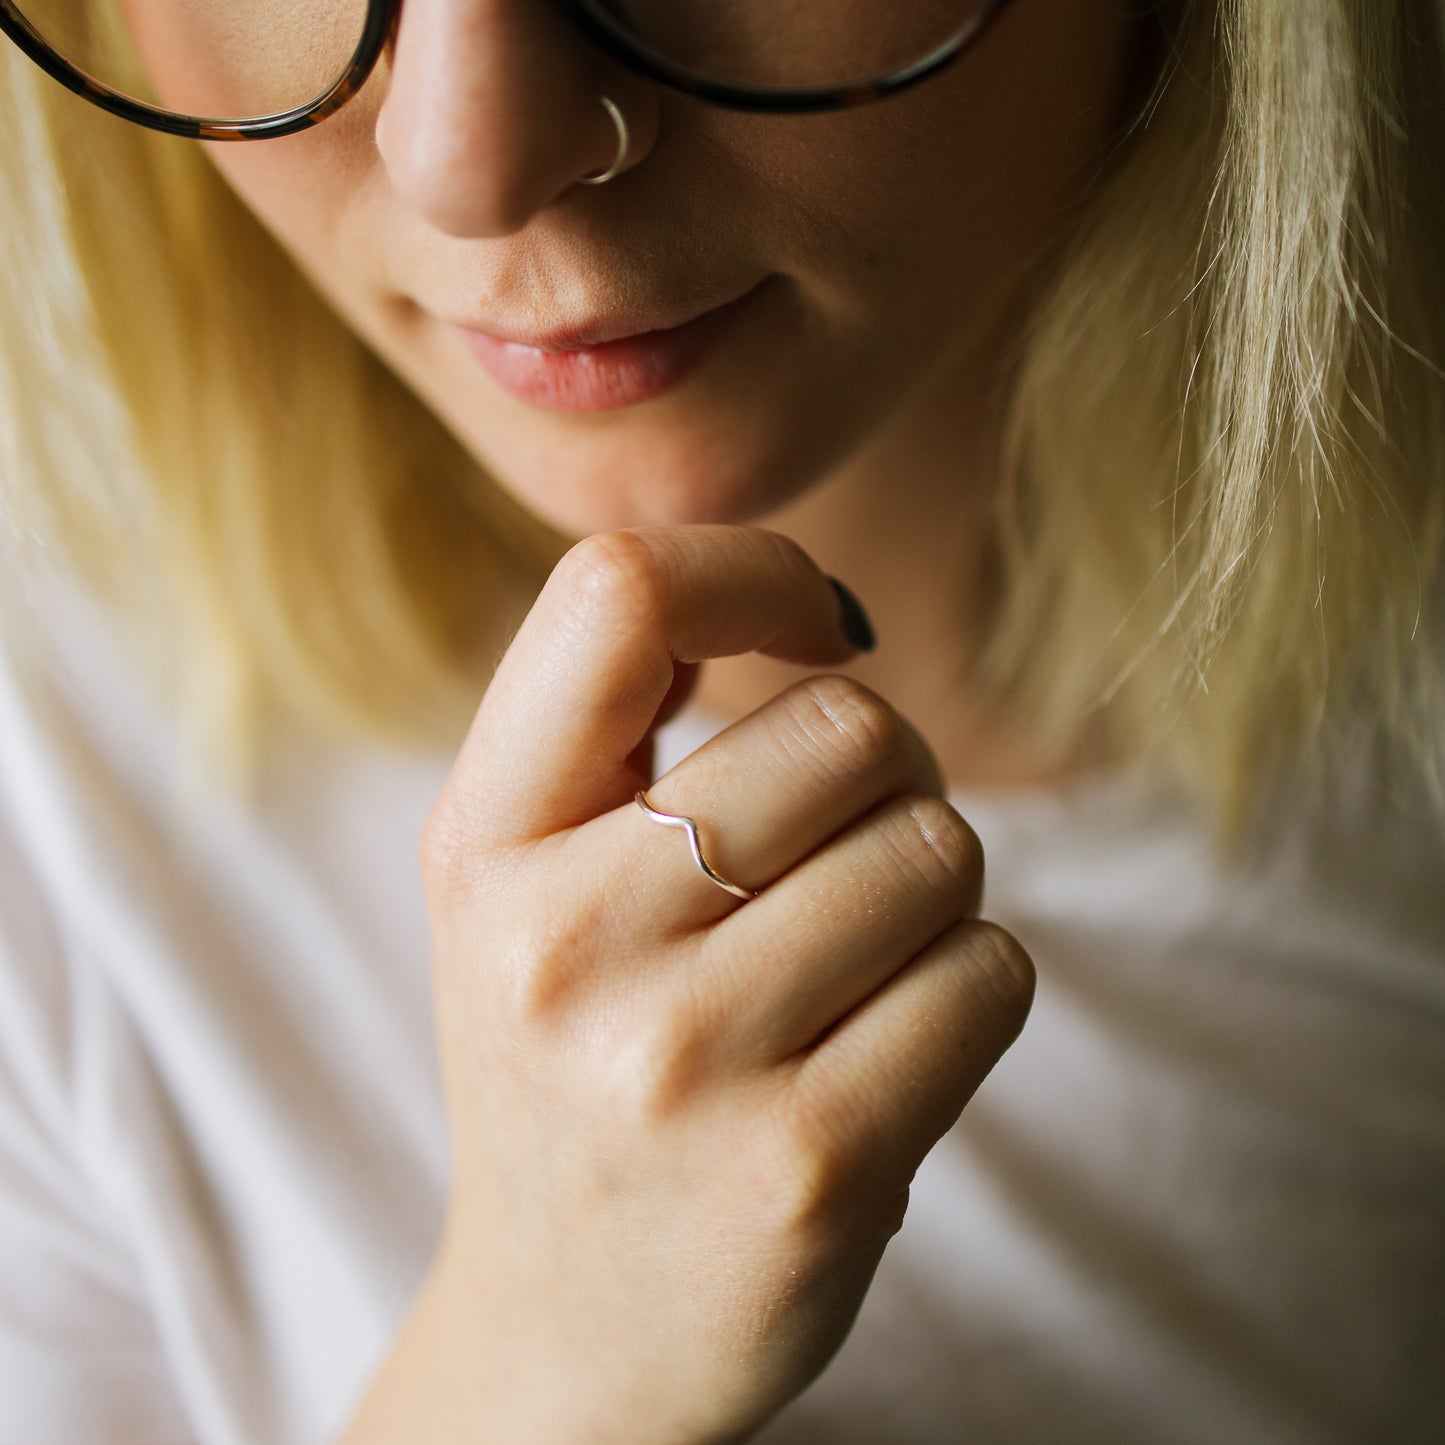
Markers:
point(793, 44)
point(219, 59)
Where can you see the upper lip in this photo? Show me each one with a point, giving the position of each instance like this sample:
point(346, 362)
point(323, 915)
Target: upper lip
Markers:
point(597, 330)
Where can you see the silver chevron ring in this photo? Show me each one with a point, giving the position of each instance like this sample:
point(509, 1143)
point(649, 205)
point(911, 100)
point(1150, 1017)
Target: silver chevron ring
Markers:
point(677, 820)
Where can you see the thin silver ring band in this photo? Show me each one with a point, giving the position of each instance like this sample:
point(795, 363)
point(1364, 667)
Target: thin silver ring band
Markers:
point(623, 138)
point(677, 820)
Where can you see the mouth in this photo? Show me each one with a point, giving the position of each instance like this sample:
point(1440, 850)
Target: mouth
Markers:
point(603, 363)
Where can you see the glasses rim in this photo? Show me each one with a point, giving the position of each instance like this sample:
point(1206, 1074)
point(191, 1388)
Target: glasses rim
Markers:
point(589, 17)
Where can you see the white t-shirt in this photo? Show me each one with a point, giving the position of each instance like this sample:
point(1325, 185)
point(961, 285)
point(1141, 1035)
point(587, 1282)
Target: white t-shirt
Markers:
point(1201, 1200)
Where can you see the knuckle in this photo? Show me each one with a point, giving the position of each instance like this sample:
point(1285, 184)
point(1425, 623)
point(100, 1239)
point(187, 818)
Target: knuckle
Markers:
point(615, 579)
point(504, 929)
point(943, 830)
point(541, 973)
point(447, 856)
point(456, 854)
point(1002, 975)
point(942, 844)
point(812, 1169)
point(857, 729)
point(657, 1068)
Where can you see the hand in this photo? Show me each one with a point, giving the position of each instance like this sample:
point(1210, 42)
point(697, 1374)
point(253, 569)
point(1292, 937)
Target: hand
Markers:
point(684, 1125)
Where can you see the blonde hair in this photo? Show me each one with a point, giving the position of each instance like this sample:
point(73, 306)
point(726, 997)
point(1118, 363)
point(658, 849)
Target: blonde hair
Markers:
point(1224, 510)
point(288, 534)
point(1221, 524)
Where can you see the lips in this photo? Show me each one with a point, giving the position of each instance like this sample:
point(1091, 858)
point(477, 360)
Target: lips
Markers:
point(600, 365)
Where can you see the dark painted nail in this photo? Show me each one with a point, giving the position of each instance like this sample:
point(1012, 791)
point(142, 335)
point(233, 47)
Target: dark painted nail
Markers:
point(855, 619)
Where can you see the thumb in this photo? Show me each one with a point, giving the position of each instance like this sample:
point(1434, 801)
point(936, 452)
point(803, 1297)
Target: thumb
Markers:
point(684, 681)
point(595, 665)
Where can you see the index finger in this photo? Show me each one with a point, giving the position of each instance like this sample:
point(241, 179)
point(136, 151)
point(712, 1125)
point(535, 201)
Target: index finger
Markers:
point(580, 688)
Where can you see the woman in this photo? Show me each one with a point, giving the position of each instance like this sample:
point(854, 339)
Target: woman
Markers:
point(560, 356)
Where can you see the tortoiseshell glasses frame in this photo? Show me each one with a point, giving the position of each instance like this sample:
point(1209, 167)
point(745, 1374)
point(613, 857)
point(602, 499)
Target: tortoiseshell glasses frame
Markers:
point(591, 17)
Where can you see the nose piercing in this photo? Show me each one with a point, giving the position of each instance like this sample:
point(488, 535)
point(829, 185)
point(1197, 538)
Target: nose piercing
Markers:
point(602, 177)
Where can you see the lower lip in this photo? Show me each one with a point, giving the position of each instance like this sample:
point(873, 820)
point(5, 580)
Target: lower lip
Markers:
point(601, 378)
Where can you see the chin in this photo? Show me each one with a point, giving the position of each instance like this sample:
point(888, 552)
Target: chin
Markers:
point(583, 510)
point(604, 483)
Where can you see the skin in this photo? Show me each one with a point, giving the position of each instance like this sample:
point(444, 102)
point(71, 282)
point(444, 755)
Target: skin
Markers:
point(684, 1125)
point(854, 413)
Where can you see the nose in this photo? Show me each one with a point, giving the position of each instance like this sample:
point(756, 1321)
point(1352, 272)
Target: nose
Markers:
point(492, 112)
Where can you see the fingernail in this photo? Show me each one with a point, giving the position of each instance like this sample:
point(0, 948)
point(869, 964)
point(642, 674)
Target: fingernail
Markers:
point(855, 619)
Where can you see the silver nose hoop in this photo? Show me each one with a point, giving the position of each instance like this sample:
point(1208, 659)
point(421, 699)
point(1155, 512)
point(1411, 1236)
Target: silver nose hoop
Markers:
point(600, 178)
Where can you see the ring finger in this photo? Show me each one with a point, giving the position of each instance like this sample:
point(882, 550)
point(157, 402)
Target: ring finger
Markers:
point(766, 793)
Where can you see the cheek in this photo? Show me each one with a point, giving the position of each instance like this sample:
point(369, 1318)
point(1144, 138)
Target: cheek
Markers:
point(315, 190)
point(236, 59)
point(957, 189)
point(279, 182)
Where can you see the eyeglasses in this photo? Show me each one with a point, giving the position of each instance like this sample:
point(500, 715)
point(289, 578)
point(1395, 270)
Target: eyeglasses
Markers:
point(254, 69)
